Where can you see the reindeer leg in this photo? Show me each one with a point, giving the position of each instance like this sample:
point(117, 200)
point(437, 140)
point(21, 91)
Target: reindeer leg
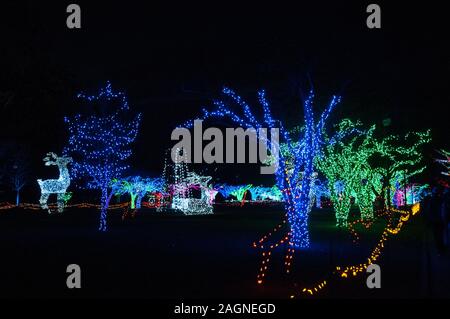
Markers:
point(60, 201)
point(43, 200)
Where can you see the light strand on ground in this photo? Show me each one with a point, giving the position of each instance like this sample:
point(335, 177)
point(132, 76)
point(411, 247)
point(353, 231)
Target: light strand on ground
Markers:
point(354, 270)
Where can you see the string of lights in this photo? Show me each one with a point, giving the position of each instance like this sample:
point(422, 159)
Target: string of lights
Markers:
point(100, 145)
point(137, 187)
point(345, 165)
point(307, 147)
point(445, 162)
point(350, 174)
point(32, 206)
point(55, 186)
point(353, 270)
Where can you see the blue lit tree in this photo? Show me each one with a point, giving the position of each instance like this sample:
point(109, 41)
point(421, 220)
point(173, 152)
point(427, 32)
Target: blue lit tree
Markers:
point(19, 171)
point(101, 144)
point(294, 183)
point(258, 191)
point(266, 193)
point(273, 193)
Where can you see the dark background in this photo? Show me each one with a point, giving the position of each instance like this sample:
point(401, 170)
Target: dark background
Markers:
point(173, 58)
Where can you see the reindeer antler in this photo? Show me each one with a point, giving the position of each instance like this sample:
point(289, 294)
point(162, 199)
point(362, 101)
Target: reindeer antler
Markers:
point(50, 155)
point(50, 159)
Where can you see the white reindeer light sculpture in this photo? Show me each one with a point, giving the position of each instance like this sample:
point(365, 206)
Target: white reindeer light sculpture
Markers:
point(55, 186)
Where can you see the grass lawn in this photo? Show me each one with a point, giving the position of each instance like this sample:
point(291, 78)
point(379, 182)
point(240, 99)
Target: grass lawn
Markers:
point(163, 255)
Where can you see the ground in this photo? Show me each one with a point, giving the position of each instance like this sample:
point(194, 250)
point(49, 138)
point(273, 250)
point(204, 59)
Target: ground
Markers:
point(157, 255)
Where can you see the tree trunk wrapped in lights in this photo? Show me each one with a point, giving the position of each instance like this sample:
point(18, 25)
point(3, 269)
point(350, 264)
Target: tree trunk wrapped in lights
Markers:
point(365, 198)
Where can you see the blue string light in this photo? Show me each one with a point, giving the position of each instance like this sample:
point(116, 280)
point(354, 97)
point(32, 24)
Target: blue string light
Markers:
point(296, 194)
point(100, 145)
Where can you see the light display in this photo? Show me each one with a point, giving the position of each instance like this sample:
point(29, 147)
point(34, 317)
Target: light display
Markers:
point(266, 193)
point(173, 174)
point(182, 184)
point(55, 206)
point(414, 194)
point(394, 226)
point(240, 191)
point(179, 190)
point(100, 144)
point(183, 199)
point(401, 158)
point(211, 195)
point(273, 194)
point(157, 200)
point(55, 186)
point(18, 172)
point(151, 186)
point(67, 196)
point(445, 162)
point(257, 192)
point(237, 191)
point(312, 193)
point(320, 190)
point(346, 167)
point(346, 162)
point(138, 187)
point(363, 191)
point(304, 150)
point(224, 189)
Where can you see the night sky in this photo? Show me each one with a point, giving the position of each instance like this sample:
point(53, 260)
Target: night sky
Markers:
point(173, 59)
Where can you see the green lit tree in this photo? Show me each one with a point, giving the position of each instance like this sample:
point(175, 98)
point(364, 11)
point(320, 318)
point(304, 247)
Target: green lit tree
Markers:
point(398, 159)
point(137, 187)
point(240, 191)
point(345, 164)
point(358, 164)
